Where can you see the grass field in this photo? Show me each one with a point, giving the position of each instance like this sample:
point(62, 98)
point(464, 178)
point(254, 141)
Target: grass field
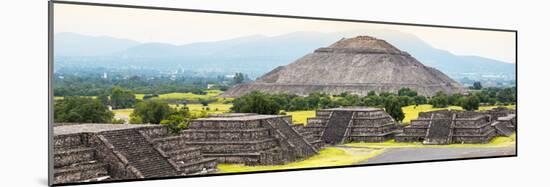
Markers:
point(211, 94)
point(215, 108)
point(61, 97)
point(327, 157)
point(412, 111)
point(301, 116)
point(491, 107)
point(124, 112)
point(496, 142)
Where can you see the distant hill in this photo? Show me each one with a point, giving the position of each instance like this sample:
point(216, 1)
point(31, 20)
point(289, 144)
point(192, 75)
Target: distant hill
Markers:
point(256, 55)
point(72, 44)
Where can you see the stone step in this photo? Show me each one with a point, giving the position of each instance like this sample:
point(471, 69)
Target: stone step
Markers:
point(206, 164)
point(439, 131)
point(184, 154)
point(503, 129)
point(302, 147)
point(80, 172)
point(73, 156)
point(140, 153)
point(336, 127)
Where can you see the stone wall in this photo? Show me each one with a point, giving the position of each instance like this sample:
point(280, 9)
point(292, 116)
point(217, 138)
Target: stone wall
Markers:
point(85, 153)
point(466, 127)
point(366, 124)
point(248, 139)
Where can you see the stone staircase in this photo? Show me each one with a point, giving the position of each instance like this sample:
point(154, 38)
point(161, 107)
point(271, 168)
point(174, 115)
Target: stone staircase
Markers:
point(188, 159)
point(439, 131)
point(78, 163)
point(309, 136)
point(336, 128)
point(503, 128)
point(303, 148)
point(140, 153)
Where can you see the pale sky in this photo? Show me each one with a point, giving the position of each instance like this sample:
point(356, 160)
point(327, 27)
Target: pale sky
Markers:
point(176, 27)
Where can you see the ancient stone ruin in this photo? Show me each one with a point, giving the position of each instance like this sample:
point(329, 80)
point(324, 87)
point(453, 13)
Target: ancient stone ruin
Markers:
point(504, 120)
point(250, 139)
point(355, 65)
point(342, 125)
point(453, 126)
point(96, 152)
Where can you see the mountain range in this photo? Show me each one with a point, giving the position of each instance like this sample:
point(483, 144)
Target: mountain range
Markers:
point(257, 54)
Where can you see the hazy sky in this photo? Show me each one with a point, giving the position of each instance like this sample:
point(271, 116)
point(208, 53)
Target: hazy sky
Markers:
point(178, 27)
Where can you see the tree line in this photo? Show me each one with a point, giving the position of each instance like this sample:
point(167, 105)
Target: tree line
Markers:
point(264, 103)
point(76, 109)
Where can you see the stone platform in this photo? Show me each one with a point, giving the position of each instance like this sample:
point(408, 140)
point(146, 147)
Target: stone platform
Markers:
point(248, 138)
point(352, 124)
point(453, 126)
point(96, 152)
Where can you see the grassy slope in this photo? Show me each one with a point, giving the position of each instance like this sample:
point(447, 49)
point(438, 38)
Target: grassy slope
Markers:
point(327, 157)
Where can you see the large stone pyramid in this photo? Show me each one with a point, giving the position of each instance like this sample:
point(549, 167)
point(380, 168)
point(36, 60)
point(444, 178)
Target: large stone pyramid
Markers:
point(355, 65)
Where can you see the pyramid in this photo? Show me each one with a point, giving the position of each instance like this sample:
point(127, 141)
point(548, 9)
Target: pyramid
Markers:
point(355, 65)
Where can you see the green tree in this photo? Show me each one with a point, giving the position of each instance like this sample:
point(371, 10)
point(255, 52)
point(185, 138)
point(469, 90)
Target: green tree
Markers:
point(326, 102)
point(81, 110)
point(238, 78)
point(313, 100)
point(298, 103)
point(151, 111)
point(256, 102)
point(175, 123)
point(440, 100)
point(406, 92)
point(405, 100)
point(104, 99)
point(371, 93)
point(203, 102)
point(420, 100)
point(454, 99)
point(122, 98)
point(373, 101)
point(477, 85)
point(393, 108)
point(469, 103)
point(351, 100)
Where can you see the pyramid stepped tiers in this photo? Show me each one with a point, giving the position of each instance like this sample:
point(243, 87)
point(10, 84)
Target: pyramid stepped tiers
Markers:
point(453, 126)
point(249, 139)
point(355, 65)
point(354, 124)
point(97, 152)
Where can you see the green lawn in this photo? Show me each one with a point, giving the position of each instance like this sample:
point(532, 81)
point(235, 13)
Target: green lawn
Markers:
point(215, 108)
point(412, 111)
point(301, 116)
point(124, 112)
point(327, 157)
point(491, 107)
point(193, 108)
point(61, 97)
point(211, 94)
